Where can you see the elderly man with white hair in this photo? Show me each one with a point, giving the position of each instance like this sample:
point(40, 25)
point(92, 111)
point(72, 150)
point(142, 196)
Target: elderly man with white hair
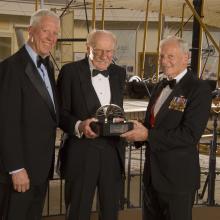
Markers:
point(29, 117)
point(90, 161)
point(176, 117)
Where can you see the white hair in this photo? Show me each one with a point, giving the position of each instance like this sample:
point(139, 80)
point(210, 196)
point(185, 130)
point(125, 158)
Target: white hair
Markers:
point(181, 43)
point(36, 17)
point(91, 38)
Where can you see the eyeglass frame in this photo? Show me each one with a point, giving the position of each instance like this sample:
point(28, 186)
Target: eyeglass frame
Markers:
point(101, 51)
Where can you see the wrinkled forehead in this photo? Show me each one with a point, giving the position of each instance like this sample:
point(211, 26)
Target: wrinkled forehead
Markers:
point(47, 20)
point(171, 47)
point(170, 44)
point(102, 39)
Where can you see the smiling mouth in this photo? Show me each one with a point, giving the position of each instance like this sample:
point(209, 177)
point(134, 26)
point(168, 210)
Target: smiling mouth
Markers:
point(166, 67)
point(101, 61)
point(47, 45)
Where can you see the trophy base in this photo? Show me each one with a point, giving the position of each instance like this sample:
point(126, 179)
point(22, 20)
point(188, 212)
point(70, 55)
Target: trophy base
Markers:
point(111, 129)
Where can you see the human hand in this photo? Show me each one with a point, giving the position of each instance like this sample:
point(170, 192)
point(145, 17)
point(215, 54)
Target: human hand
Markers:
point(20, 180)
point(138, 133)
point(85, 128)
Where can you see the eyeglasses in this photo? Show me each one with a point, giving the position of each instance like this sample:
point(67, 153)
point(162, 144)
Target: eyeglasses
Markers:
point(101, 52)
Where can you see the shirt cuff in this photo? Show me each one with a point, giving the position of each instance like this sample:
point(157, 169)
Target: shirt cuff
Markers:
point(77, 133)
point(16, 171)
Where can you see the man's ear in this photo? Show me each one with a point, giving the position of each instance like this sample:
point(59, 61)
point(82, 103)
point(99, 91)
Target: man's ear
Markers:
point(90, 52)
point(186, 58)
point(88, 49)
point(30, 32)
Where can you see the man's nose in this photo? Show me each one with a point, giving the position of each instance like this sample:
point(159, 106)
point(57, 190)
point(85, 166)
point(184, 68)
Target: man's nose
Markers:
point(104, 54)
point(163, 60)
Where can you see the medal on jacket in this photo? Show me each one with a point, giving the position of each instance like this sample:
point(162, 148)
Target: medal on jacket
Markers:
point(178, 103)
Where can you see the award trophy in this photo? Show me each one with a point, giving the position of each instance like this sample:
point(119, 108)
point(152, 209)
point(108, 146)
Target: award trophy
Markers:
point(105, 126)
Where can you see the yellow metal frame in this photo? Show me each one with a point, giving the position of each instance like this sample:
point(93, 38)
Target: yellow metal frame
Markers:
point(159, 37)
point(203, 25)
point(145, 40)
point(182, 20)
point(103, 14)
point(36, 5)
point(200, 42)
point(94, 14)
point(218, 79)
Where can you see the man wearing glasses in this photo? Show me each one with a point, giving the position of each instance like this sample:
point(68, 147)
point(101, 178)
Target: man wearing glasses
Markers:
point(89, 161)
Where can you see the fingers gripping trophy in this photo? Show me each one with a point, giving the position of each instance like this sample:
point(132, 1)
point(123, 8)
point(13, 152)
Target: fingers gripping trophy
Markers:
point(110, 121)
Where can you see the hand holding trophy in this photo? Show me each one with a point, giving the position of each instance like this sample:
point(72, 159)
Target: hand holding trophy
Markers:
point(216, 101)
point(110, 121)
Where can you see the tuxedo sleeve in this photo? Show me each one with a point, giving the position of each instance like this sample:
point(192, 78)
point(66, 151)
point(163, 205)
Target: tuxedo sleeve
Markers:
point(191, 126)
point(11, 108)
point(122, 84)
point(64, 85)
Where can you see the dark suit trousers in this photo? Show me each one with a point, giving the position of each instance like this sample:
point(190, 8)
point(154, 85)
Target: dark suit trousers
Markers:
point(165, 206)
point(27, 205)
point(4, 190)
point(101, 169)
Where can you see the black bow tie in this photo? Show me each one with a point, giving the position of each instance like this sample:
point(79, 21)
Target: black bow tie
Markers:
point(96, 72)
point(166, 82)
point(44, 61)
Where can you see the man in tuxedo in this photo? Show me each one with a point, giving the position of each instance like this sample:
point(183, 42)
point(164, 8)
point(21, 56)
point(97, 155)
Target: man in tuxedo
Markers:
point(29, 119)
point(176, 117)
point(89, 161)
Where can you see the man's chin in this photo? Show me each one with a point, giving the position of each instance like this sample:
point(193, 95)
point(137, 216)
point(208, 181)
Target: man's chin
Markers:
point(42, 53)
point(102, 67)
point(167, 73)
point(46, 51)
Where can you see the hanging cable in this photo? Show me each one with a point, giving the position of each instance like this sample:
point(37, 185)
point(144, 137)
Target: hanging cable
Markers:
point(54, 62)
point(183, 25)
point(87, 21)
point(66, 8)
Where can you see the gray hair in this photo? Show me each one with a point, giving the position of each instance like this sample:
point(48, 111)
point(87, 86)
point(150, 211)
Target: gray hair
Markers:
point(36, 17)
point(183, 45)
point(91, 38)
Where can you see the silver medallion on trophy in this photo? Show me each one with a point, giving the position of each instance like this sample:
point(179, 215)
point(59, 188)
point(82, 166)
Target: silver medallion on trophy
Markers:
point(111, 121)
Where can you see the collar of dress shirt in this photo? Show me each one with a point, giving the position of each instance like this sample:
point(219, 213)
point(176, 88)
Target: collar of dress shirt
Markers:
point(32, 53)
point(180, 76)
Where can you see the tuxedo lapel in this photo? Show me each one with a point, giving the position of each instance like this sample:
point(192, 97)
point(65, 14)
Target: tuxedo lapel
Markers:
point(154, 96)
point(33, 75)
point(88, 91)
point(53, 86)
point(177, 91)
point(113, 82)
point(165, 106)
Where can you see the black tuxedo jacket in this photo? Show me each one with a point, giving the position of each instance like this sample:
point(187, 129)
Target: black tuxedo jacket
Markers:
point(172, 160)
point(28, 118)
point(79, 102)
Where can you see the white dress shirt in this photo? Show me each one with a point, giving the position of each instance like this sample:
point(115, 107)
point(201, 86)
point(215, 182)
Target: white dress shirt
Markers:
point(102, 88)
point(42, 71)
